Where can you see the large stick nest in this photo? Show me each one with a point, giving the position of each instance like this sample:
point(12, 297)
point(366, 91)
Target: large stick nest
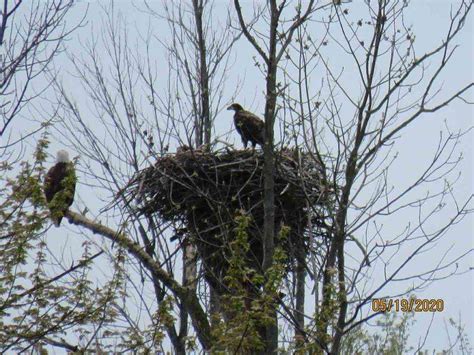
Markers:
point(205, 190)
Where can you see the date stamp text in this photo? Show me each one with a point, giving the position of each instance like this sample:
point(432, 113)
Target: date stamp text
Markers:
point(408, 305)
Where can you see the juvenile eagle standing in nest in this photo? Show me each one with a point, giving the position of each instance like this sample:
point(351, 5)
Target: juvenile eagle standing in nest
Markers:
point(59, 186)
point(250, 127)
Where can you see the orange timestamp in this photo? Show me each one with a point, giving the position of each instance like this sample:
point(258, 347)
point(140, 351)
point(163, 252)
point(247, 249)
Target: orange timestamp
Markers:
point(408, 305)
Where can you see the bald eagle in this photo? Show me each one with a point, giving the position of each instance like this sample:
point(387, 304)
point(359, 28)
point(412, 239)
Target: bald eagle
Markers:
point(59, 186)
point(250, 127)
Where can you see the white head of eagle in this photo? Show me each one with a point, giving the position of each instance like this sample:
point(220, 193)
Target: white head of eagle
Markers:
point(59, 186)
point(62, 156)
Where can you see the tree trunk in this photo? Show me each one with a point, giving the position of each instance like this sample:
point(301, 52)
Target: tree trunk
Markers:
point(300, 295)
point(268, 170)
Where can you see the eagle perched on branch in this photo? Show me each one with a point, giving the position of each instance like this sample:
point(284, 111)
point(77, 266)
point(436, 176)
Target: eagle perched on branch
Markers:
point(59, 186)
point(250, 127)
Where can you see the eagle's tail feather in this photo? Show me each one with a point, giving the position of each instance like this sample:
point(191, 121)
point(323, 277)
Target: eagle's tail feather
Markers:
point(56, 221)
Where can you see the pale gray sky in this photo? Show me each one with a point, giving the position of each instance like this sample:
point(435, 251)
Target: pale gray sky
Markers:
point(415, 148)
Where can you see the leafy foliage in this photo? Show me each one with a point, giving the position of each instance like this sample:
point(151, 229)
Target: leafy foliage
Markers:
point(246, 305)
point(35, 306)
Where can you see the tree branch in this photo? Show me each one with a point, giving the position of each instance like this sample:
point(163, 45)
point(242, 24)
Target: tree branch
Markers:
point(247, 34)
point(185, 294)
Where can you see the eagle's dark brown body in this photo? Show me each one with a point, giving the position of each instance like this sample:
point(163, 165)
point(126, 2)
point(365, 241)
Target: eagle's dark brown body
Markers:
point(249, 126)
point(59, 188)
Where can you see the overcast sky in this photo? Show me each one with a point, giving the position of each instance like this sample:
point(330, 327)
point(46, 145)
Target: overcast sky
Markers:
point(430, 20)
